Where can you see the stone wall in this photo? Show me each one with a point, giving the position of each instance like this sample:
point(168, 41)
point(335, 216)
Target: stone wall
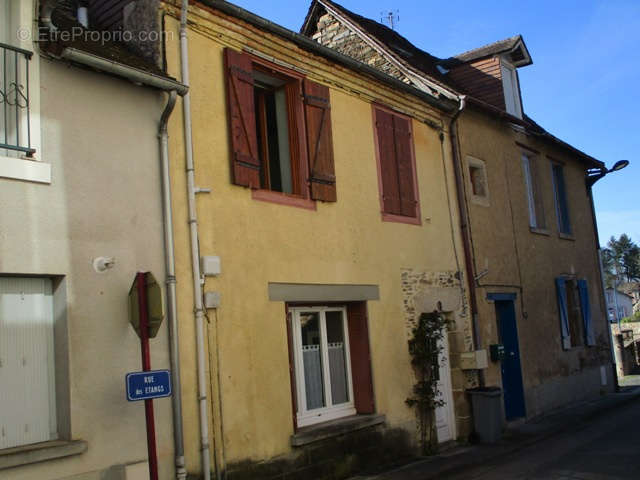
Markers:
point(425, 291)
point(364, 452)
point(331, 33)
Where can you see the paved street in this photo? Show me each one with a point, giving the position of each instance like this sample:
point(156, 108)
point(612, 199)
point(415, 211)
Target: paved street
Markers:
point(593, 440)
point(608, 448)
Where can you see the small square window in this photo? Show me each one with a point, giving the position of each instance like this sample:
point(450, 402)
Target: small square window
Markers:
point(477, 181)
point(478, 184)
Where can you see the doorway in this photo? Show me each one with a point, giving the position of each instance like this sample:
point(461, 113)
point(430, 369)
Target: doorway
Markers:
point(512, 386)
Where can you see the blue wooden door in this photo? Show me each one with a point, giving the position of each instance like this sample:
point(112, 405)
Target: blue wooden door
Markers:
point(511, 371)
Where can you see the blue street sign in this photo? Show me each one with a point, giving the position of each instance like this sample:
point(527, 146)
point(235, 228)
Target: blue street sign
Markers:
point(148, 385)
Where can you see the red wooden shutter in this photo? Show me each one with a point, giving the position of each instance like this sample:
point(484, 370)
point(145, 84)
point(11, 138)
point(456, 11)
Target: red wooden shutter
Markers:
point(360, 358)
point(245, 160)
point(404, 160)
point(292, 372)
point(388, 164)
point(317, 110)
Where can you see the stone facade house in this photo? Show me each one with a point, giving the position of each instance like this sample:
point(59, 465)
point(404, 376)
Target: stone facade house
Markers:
point(531, 247)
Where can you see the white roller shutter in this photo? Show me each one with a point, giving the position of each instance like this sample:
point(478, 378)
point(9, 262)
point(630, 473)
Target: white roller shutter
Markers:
point(27, 386)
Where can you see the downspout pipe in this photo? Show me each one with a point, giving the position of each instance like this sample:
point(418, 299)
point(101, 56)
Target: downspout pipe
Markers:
point(170, 266)
point(195, 253)
point(465, 229)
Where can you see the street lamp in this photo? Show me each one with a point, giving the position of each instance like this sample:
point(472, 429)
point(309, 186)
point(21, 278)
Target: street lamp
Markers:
point(593, 175)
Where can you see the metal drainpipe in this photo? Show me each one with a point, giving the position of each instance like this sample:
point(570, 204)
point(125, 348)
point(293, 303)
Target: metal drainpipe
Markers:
point(170, 265)
point(195, 254)
point(464, 226)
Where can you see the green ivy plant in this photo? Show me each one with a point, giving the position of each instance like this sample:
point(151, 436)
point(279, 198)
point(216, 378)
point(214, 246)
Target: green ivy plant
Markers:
point(425, 347)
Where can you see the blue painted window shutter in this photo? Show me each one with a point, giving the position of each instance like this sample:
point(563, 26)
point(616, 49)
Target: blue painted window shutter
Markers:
point(561, 291)
point(585, 306)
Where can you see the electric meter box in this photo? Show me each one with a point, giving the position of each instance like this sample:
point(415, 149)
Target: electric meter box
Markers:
point(210, 266)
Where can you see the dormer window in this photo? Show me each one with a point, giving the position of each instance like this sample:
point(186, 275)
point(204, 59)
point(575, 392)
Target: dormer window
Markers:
point(511, 89)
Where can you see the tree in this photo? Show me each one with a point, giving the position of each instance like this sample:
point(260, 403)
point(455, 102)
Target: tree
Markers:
point(621, 261)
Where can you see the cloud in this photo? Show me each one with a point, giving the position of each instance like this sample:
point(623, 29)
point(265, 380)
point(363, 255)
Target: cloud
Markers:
point(614, 223)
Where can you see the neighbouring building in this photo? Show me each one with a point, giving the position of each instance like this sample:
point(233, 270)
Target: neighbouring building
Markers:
point(318, 208)
point(626, 338)
point(80, 188)
point(527, 218)
point(619, 305)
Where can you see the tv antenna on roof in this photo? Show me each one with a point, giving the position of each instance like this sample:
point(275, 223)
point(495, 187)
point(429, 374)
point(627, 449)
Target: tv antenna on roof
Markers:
point(390, 18)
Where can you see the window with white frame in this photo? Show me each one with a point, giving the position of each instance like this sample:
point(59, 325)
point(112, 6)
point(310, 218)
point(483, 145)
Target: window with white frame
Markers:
point(27, 369)
point(20, 95)
point(324, 386)
point(562, 202)
point(534, 195)
point(511, 88)
point(15, 127)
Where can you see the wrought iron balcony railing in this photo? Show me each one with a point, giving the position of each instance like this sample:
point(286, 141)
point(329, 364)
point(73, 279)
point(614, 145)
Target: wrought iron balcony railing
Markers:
point(15, 128)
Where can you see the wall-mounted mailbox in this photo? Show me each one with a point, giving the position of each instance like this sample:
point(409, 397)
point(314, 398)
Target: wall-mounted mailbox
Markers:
point(496, 352)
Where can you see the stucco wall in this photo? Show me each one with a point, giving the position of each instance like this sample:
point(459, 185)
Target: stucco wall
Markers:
point(339, 243)
point(513, 259)
point(99, 135)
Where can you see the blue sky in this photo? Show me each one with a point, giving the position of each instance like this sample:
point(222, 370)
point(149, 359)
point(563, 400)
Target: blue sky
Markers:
point(581, 86)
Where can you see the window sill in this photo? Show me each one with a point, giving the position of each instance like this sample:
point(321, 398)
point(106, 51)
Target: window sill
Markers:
point(40, 452)
point(540, 231)
point(566, 236)
point(334, 428)
point(25, 170)
point(391, 217)
point(283, 199)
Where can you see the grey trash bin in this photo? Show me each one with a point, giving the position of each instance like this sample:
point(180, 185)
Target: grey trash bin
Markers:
point(486, 403)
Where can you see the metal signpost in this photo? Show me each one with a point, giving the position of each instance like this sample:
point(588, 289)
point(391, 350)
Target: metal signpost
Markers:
point(146, 314)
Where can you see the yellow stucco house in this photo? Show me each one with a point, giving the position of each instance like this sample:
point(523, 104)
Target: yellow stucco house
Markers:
point(316, 206)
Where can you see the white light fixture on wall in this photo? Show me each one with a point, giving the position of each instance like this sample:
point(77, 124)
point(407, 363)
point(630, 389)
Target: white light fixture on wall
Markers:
point(102, 264)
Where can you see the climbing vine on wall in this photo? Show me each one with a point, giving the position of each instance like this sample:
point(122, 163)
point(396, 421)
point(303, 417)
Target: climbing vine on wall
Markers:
point(425, 347)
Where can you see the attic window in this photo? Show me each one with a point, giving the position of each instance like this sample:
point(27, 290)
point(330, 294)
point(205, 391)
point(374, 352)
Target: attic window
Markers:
point(517, 55)
point(511, 88)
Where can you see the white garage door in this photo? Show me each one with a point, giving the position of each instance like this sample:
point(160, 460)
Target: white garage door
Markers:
point(27, 387)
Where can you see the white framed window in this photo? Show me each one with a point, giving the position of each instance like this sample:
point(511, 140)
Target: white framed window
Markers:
point(20, 138)
point(534, 196)
point(561, 199)
point(324, 386)
point(511, 88)
point(27, 362)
